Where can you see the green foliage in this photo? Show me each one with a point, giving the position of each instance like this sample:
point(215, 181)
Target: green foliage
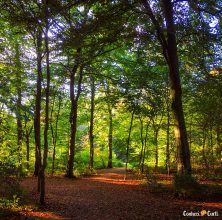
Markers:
point(186, 186)
point(8, 169)
point(135, 72)
point(9, 203)
point(9, 181)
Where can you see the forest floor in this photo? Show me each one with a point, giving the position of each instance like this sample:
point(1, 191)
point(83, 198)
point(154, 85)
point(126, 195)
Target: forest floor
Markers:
point(107, 195)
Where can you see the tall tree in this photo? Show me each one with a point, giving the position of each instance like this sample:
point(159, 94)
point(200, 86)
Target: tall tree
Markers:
point(91, 126)
point(47, 93)
point(74, 97)
point(19, 103)
point(128, 144)
point(169, 48)
point(176, 91)
point(110, 135)
point(38, 97)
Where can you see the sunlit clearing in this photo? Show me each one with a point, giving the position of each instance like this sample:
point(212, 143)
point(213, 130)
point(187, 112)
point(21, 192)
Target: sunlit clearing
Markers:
point(116, 181)
point(42, 215)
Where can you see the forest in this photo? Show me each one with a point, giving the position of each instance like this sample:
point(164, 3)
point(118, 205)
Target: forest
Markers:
point(110, 93)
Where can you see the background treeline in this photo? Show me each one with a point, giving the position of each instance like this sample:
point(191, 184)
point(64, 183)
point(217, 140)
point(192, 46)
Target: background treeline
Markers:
point(90, 84)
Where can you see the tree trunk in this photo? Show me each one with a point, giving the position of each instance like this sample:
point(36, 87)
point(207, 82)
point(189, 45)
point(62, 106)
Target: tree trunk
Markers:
point(156, 132)
point(144, 149)
point(91, 137)
point(204, 153)
point(27, 147)
point(46, 128)
point(169, 47)
point(219, 144)
point(73, 116)
point(168, 142)
point(19, 105)
point(73, 125)
point(128, 144)
point(37, 124)
point(211, 145)
point(110, 137)
point(27, 142)
point(142, 143)
point(55, 132)
point(156, 128)
point(184, 164)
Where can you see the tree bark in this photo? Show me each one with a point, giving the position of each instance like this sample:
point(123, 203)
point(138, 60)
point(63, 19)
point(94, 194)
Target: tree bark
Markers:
point(55, 132)
point(38, 97)
point(184, 164)
point(168, 142)
point(203, 151)
point(19, 105)
point(28, 132)
point(128, 144)
point(156, 132)
point(144, 148)
point(91, 127)
point(110, 137)
point(110, 118)
point(47, 91)
point(73, 114)
point(142, 143)
point(169, 49)
point(219, 144)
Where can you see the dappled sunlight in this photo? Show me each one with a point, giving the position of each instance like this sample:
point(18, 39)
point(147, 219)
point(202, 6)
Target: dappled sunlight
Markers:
point(209, 205)
point(41, 215)
point(69, 197)
point(116, 181)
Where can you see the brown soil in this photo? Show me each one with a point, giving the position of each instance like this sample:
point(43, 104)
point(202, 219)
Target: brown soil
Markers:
point(107, 195)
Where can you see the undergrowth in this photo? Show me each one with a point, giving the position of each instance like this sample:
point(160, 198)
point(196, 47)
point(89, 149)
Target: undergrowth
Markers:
point(187, 186)
point(10, 190)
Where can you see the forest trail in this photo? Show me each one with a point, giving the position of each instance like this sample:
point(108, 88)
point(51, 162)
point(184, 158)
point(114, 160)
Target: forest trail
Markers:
point(106, 196)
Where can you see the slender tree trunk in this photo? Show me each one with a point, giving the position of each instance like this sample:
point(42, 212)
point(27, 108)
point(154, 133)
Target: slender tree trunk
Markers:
point(27, 147)
point(184, 164)
point(73, 116)
point(128, 145)
point(156, 132)
point(110, 137)
point(168, 126)
point(73, 125)
point(219, 144)
point(156, 128)
point(91, 127)
point(142, 144)
point(55, 133)
point(144, 149)
point(19, 105)
point(110, 134)
point(37, 125)
point(212, 148)
point(27, 142)
point(46, 128)
point(168, 142)
point(203, 151)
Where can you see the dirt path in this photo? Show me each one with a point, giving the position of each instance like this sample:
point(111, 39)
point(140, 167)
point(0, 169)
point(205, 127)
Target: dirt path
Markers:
point(107, 196)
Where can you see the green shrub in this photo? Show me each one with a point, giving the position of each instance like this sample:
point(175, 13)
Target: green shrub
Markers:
point(7, 206)
point(186, 186)
point(9, 181)
point(9, 203)
point(8, 169)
